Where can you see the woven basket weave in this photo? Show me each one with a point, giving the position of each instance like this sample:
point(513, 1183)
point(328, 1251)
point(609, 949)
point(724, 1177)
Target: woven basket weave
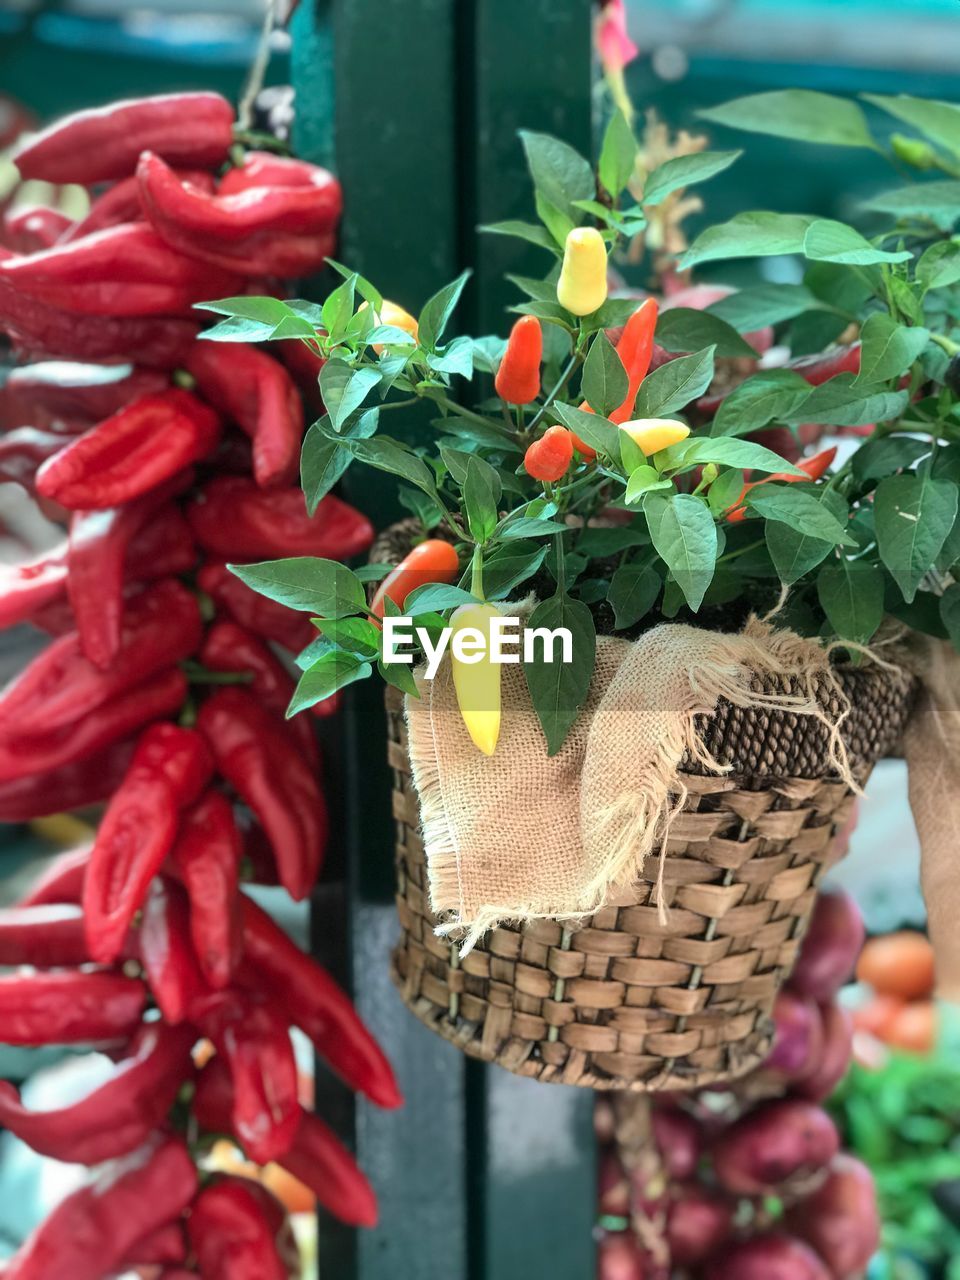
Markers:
point(621, 1001)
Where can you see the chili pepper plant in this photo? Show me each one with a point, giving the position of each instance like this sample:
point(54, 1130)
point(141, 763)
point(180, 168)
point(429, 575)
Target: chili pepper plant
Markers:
point(628, 458)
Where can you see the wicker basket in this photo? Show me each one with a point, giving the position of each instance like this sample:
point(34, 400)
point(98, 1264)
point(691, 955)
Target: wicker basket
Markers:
point(622, 1002)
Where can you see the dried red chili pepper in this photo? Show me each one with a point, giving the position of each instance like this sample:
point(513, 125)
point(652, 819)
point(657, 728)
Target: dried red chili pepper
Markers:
point(239, 1231)
point(89, 1234)
point(97, 563)
point(73, 1007)
point(61, 881)
point(171, 766)
point(131, 452)
point(122, 271)
point(256, 391)
point(121, 203)
point(206, 859)
point(44, 937)
point(266, 618)
point(812, 468)
point(261, 231)
point(52, 392)
point(264, 169)
point(233, 518)
point(166, 1247)
point(548, 459)
point(317, 1158)
point(261, 760)
point(61, 685)
point(316, 1004)
point(251, 1035)
point(23, 451)
point(518, 377)
point(117, 1117)
point(229, 647)
point(111, 722)
point(61, 790)
point(104, 143)
point(166, 950)
point(39, 329)
point(30, 227)
point(165, 548)
point(26, 588)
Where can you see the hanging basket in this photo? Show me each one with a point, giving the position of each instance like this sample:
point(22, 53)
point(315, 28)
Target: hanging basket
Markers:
point(622, 1001)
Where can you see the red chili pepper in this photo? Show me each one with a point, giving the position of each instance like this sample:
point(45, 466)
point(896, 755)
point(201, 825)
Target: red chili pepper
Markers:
point(239, 1231)
point(26, 588)
point(73, 1007)
point(61, 790)
point(273, 963)
point(170, 768)
point(518, 377)
point(262, 231)
point(120, 1115)
point(820, 368)
point(166, 951)
point(259, 862)
point(122, 271)
point(30, 227)
point(165, 548)
point(43, 937)
point(102, 144)
point(97, 564)
point(251, 1035)
point(121, 203)
point(256, 391)
point(61, 881)
point(635, 348)
point(228, 647)
point(206, 859)
point(112, 722)
point(305, 365)
point(264, 169)
point(266, 618)
point(131, 453)
point(166, 1247)
point(231, 517)
point(317, 1158)
point(549, 458)
point(261, 760)
point(61, 686)
point(23, 451)
point(53, 392)
point(812, 468)
point(88, 1234)
point(432, 561)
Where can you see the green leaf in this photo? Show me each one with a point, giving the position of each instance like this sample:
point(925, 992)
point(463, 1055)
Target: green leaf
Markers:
point(685, 537)
point(939, 121)
point(939, 266)
point(938, 201)
point(311, 585)
point(802, 115)
point(841, 402)
point(424, 508)
point(268, 311)
point(526, 527)
point(851, 595)
point(767, 396)
point(435, 597)
point(914, 514)
point(605, 382)
point(400, 676)
point(338, 307)
point(889, 349)
point(528, 231)
point(793, 552)
point(437, 311)
point(370, 293)
point(387, 454)
point(726, 451)
point(878, 458)
point(599, 433)
point(800, 509)
point(557, 222)
point(558, 689)
point(335, 670)
point(684, 329)
point(502, 573)
point(481, 494)
point(344, 389)
point(725, 491)
point(488, 351)
point(560, 174)
point(618, 155)
point(455, 358)
point(750, 309)
point(599, 542)
point(830, 241)
point(633, 592)
point(950, 613)
point(356, 635)
point(644, 479)
point(323, 461)
point(685, 171)
point(749, 235)
point(674, 385)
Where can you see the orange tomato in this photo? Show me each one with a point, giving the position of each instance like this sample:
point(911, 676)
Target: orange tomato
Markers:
point(914, 1028)
point(898, 964)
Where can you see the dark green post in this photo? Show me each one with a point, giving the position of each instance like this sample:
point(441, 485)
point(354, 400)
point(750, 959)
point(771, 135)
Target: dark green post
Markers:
point(482, 1176)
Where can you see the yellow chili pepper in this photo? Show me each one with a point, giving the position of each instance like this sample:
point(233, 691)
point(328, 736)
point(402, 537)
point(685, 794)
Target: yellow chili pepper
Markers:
point(477, 683)
point(392, 314)
point(582, 286)
point(650, 435)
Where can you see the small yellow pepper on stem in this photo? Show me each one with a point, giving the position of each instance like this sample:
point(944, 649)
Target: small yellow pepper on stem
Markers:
point(477, 681)
point(582, 286)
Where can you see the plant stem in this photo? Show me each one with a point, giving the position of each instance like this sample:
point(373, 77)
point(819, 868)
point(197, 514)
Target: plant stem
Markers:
point(946, 344)
point(575, 360)
point(476, 573)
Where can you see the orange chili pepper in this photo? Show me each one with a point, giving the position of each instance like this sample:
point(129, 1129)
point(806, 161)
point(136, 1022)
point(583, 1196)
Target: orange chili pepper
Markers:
point(635, 350)
point(812, 468)
point(549, 457)
point(432, 561)
point(518, 378)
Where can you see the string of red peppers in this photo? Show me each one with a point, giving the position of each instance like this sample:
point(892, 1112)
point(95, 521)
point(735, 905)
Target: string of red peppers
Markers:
point(164, 457)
